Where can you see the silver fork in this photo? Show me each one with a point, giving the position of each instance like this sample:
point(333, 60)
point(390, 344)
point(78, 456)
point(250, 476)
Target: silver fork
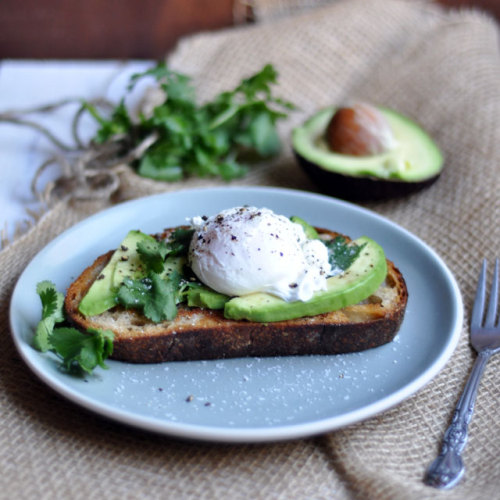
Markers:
point(448, 468)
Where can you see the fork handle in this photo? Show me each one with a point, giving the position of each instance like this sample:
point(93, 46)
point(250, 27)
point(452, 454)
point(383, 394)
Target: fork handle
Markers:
point(447, 469)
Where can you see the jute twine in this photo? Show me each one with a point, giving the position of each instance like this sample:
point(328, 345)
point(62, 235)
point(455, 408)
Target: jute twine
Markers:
point(442, 69)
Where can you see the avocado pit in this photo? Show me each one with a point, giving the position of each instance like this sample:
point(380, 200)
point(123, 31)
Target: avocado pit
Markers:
point(359, 130)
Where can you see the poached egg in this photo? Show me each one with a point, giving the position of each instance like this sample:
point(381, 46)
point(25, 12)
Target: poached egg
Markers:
point(245, 250)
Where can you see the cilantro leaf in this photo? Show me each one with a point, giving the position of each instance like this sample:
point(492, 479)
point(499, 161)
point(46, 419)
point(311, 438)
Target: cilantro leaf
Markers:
point(264, 135)
point(155, 296)
point(52, 313)
point(153, 253)
point(118, 124)
point(80, 350)
point(179, 241)
point(43, 331)
point(52, 300)
point(159, 72)
point(260, 82)
point(194, 139)
point(161, 162)
point(342, 254)
point(76, 349)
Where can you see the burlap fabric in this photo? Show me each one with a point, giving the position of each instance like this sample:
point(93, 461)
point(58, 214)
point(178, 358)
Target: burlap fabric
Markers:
point(441, 68)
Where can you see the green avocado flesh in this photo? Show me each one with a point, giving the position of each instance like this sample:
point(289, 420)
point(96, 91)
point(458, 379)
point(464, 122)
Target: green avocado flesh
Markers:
point(125, 262)
point(415, 157)
point(357, 283)
point(101, 295)
point(309, 230)
point(206, 297)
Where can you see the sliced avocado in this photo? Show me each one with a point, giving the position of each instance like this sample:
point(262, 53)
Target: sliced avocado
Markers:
point(205, 297)
point(101, 295)
point(414, 163)
point(129, 263)
point(357, 283)
point(133, 267)
point(309, 230)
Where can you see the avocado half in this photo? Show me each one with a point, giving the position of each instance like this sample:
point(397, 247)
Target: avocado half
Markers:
point(414, 164)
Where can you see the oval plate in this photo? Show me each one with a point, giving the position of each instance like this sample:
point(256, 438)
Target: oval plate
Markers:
point(249, 399)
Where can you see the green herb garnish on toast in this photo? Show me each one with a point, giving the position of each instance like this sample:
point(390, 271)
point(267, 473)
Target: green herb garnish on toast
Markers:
point(77, 350)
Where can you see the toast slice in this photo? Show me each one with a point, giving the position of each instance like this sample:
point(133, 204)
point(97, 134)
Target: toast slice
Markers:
point(198, 333)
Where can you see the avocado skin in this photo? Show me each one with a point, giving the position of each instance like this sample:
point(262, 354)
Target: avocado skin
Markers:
point(354, 188)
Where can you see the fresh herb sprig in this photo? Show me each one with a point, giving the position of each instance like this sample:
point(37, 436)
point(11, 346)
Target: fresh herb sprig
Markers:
point(78, 351)
point(191, 139)
point(341, 253)
point(153, 254)
point(179, 241)
point(157, 294)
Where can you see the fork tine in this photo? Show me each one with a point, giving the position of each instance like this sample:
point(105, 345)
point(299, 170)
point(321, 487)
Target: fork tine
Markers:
point(478, 308)
point(493, 302)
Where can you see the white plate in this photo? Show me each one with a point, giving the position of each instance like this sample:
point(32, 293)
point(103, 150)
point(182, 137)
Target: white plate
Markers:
point(249, 399)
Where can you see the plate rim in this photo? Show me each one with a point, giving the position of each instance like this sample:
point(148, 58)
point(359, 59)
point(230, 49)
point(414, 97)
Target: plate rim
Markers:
point(244, 434)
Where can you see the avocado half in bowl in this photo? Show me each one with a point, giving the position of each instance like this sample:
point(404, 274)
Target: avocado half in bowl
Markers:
point(411, 164)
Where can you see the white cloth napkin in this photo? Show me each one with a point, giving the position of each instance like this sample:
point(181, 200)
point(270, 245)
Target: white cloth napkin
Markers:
point(26, 84)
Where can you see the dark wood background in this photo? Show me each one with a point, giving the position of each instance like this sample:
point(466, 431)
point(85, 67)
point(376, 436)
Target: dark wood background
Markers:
point(127, 29)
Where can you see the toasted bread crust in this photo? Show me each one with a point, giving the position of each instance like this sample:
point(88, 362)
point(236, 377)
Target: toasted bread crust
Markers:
point(205, 334)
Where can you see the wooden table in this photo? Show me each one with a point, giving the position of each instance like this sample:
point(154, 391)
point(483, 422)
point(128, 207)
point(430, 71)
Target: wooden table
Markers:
point(128, 29)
